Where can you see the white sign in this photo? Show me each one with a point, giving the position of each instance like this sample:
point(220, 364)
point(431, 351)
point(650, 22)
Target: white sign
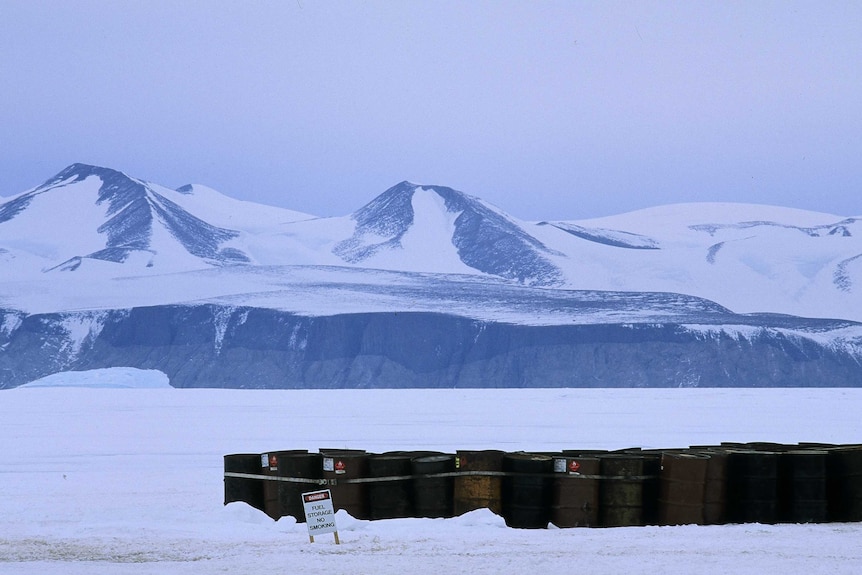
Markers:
point(559, 465)
point(319, 515)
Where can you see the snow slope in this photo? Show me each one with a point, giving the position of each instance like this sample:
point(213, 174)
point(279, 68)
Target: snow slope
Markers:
point(226, 212)
point(129, 481)
point(748, 258)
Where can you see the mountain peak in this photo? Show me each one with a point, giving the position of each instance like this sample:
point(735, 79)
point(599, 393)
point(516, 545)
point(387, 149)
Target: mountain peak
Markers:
point(484, 238)
point(108, 216)
point(72, 174)
point(78, 171)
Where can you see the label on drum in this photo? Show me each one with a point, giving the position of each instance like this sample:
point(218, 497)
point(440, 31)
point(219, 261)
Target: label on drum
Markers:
point(328, 464)
point(559, 465)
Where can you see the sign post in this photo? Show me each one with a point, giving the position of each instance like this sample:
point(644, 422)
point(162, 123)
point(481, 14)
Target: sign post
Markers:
point(319, 515)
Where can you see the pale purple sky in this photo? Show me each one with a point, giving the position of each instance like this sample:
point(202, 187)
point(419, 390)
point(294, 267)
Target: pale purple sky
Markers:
point(550, 110)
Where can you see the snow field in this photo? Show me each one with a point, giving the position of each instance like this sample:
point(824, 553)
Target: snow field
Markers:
point(129, 481)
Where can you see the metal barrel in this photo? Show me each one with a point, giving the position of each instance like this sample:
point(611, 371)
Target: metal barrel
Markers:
point(340, 465)
point(844, 478)
point(432, 496)
point(575, 491)
point(244, 489)
point(652, 470)
point(390, 498)
point(478, 491)
point(682, 488)
point(802, 486)
point(752, 486)
point(269, 466)
point(271, 489)
point(769, 446)
point(622, 490)
point(715, 488)
point(527, 490)
point(293, 465)
point(341, 451)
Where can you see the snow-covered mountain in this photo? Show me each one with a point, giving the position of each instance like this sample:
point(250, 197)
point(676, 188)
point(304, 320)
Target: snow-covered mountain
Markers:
point(89, 222)
point(747, 257)
point(427, 222)
point(89, 214)
point(92, 247)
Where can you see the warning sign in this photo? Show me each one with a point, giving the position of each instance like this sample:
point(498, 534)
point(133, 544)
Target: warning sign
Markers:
point(319, 515)
point(564, 465)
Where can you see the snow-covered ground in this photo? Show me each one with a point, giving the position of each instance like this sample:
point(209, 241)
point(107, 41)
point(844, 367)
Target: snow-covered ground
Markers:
point(95, 480)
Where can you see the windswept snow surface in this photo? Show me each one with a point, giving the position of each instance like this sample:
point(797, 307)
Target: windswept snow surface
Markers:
point(129, 481)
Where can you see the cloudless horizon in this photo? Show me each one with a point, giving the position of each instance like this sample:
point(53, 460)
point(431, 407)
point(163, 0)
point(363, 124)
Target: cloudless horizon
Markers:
point(549, 110)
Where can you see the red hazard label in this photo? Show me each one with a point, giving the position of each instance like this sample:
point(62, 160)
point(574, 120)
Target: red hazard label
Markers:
point(316, 496)
point(273, 462)
point(574, 465)
point(339, 466)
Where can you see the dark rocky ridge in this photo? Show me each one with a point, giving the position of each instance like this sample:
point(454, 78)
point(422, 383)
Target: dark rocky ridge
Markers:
point(235, 347)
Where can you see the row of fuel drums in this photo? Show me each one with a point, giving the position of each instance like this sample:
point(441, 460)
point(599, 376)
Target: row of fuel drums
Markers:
point(729, 483)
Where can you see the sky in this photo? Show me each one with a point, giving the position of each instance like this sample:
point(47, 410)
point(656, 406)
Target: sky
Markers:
point(549, 110)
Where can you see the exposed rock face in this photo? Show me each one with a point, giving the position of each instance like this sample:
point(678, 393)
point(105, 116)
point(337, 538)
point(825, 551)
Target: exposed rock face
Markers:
point(235, 347)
